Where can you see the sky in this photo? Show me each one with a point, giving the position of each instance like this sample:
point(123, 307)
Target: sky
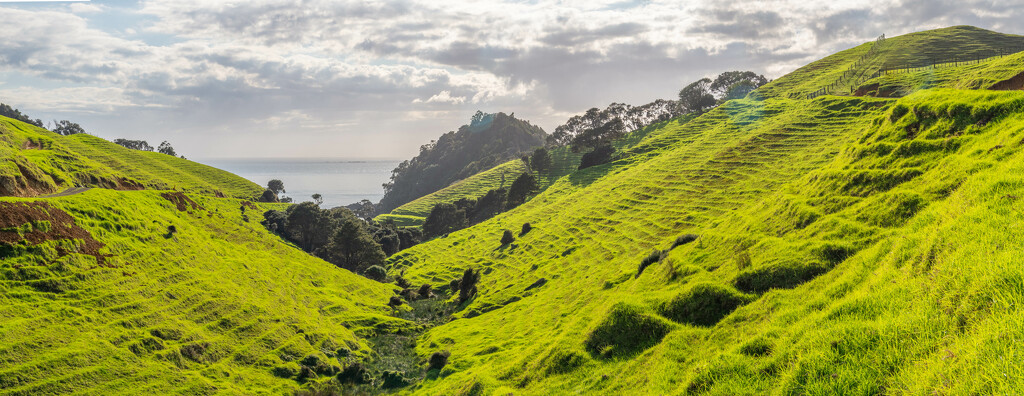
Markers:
point(377, 79)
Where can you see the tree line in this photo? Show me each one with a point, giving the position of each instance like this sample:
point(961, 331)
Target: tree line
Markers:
point(595, 130)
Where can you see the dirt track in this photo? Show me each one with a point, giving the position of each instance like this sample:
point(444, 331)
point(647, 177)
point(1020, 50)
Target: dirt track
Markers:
point(70, 191)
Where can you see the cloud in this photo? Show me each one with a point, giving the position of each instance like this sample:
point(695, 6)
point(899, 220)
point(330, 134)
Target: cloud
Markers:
point(406, 70)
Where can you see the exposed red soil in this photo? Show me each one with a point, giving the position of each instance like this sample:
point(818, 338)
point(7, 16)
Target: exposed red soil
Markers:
point(128, 184)
point(250, 205)
point(1013, 84)
point(62, 227)
point(181, 201)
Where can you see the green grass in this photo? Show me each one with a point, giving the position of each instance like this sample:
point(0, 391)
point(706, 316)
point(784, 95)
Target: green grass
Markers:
point(856, 279)
point(56, 162)
point(915, 49)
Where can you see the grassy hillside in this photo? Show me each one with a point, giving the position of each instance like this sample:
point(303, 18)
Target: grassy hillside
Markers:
point(839, 245)
point(563, 162)
point(124, 305)
point(915, 49)
point(36, 161)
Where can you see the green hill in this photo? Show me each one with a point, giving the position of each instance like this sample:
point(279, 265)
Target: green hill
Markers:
point(489, 140)
point(842, 245)
point(36, 161)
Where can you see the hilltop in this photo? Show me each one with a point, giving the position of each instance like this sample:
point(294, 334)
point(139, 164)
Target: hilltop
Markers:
point(489, 140)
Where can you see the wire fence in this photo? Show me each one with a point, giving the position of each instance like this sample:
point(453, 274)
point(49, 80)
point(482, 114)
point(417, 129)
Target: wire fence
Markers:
point(853, 71)
point(850, 79)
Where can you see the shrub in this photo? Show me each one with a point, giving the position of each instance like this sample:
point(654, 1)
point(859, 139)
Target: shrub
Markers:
point(395, 301)
point(286, 370)
point(425, 291)
point(402, 282)
point(600, 155)
point(625, 331)
point(393, 379)
point(507, 237)
point(684, 239)
point(652, 258)
point(703, 305)
point(171, 229)
point(526, 228)
point(467, 285)
point(778, 276)
point(454, 285)
point(376, 273)
point(438, 360)
point(354, 373)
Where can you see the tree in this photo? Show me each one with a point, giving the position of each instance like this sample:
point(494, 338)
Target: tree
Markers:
point(308, 225)
point(541, 160)
point(735, 84)
point(140, 145)
point(165, 148)
point(268, 196)
point(507, 237)
point(276, 186)
point(524, 186)
point(364, 209)
point(351, 246)
point(67, 128)
point(8, 111)
point(444, 218)
point(697, 97)
point(600, 155)
point(318, 199)
point(487, 206)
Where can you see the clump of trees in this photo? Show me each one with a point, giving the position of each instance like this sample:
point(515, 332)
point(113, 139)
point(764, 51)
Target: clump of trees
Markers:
point(489, 140)
point(339, 237)
point(165, 148)
point(449, 217)
point(597, 128)
point(67, 128)
point(10, 112)
point(140, 145)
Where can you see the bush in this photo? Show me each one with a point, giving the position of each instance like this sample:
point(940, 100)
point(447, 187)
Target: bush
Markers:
point(703, 305)
point(467, 285)
point(526, 228)
point(600, 155)
point(625, 331)
point(438, 360)
point(652, 258)
point(395, 301)
point(286, 370)
point(425, 291)
point(402, 282)
point(507, 237)
point(354, 373)
point(376, 273)
point(393, 379)
point(684, 239)
point(778, 276)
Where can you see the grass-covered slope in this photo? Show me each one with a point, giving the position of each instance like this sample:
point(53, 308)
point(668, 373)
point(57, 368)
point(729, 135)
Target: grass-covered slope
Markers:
point(914, 50)
point(34, 161)
point(99, 295)
point(846, 245)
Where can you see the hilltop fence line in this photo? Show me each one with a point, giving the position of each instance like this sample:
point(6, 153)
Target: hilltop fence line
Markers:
point(851, 71)
point(907, 67)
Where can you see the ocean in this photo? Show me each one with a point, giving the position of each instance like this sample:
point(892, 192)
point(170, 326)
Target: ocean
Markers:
point(340, 181)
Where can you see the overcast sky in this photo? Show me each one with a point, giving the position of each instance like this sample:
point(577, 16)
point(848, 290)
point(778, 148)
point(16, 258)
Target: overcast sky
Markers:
point(373, 79)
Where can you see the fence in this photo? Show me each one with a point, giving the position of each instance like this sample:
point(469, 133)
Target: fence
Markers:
point(852, 71)
point(955, 61)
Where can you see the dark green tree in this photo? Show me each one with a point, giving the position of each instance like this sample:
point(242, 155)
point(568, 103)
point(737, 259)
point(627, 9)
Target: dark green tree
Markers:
point(444, 218)
point(735, 84)
point(697, 97)
point(140, 145)
point(524, 186)
point(67, 128)
point(165, 148)
point(276, 186)
point(541, 160)
point(318, 199)
point(351, 246)
point(308, 225)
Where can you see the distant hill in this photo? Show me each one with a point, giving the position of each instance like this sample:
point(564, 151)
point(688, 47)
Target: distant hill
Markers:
point(489, 140)
point(34, 161)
